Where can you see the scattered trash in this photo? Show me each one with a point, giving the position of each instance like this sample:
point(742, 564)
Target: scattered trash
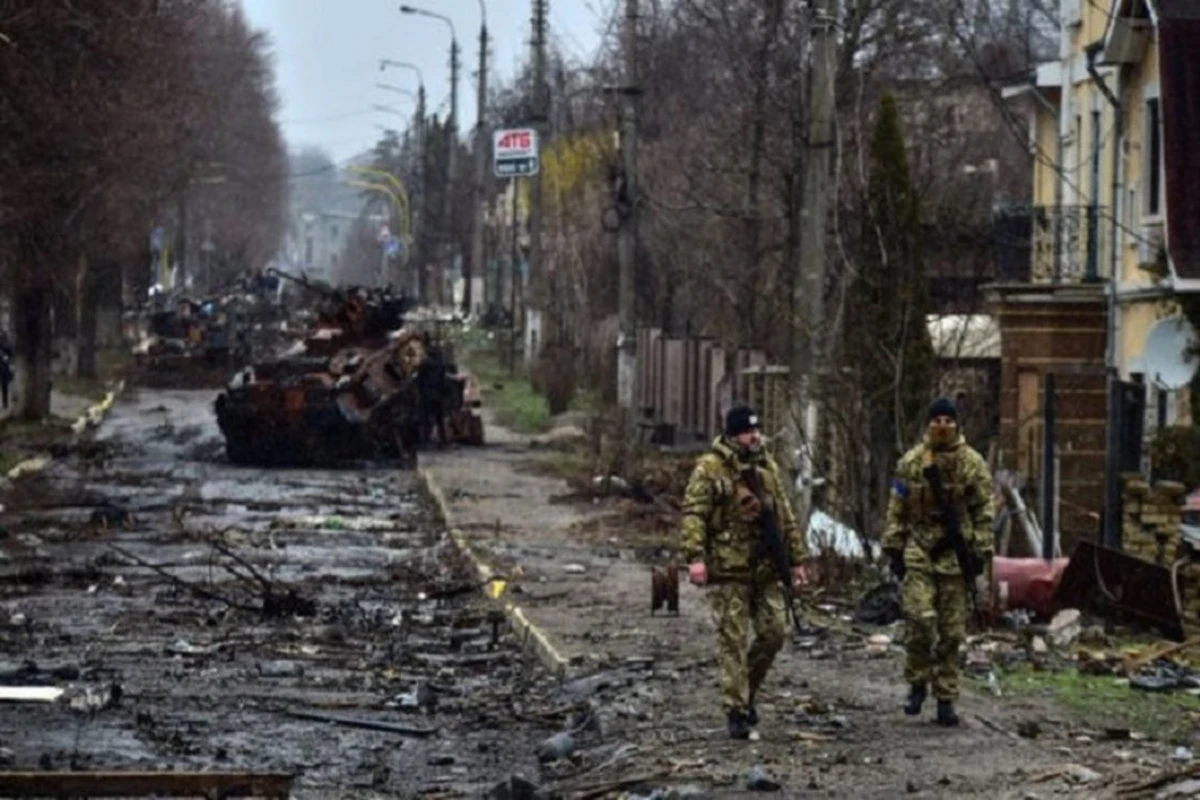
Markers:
point(30, 694)
point(280, 669)
point(879, 606)
point(575, 569)
point(367, 724)
point(90, 700)
point(420, 697)
point(1182, 754)
point(556, 748)
point(1076, 773)
point(1065, 627)
point(759, 781)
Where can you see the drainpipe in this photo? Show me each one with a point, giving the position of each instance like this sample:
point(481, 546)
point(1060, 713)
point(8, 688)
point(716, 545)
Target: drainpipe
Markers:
point(1112, 510)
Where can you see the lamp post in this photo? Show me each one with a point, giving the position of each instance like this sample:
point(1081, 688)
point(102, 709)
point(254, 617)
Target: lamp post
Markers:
point(419, 215)
point(451, 132)
point(481, 145)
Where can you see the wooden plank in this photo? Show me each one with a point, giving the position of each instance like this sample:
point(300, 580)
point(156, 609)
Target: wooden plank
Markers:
point(142, 784)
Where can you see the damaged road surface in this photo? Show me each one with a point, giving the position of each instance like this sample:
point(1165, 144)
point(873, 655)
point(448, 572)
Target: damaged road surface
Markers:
point(205, 618)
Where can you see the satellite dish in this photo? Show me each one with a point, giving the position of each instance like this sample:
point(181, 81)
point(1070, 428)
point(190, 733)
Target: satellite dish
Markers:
point(1170, 359)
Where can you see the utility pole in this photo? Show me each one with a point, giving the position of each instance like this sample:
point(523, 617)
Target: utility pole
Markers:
point(481, 135)
point(419, 259)
point(808, 362)
point(540, 113)
point(451, 146)
point(627, 234)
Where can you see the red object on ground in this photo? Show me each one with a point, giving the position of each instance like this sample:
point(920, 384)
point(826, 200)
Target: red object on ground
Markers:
point(1025, 583)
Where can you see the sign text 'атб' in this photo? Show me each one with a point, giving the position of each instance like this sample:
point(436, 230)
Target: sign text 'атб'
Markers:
point(516, 152)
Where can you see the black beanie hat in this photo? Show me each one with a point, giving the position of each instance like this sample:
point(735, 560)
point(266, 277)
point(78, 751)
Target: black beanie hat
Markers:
point(739, 420)
point(942, 407)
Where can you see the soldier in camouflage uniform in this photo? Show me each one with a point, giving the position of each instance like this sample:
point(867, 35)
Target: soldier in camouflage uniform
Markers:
point(722, 541)
point(935, 594)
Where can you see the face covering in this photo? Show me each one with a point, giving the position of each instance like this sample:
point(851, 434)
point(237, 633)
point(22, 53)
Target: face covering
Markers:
point(941, 436)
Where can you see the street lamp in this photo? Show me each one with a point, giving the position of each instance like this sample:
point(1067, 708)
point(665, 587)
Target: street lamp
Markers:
point(452, 126)
point(481, 136)
point(421, 12)
point(384, 63)
point(422, 146)
point(398, 90)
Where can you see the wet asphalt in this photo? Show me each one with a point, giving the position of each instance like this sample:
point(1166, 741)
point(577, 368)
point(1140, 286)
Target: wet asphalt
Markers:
point(224, 601)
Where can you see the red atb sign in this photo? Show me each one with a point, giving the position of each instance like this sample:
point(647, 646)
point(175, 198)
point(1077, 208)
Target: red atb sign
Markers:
point(516, 152)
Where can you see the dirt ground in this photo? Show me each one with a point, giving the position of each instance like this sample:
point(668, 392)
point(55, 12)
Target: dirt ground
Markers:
point(228, 603)
point(832, 724)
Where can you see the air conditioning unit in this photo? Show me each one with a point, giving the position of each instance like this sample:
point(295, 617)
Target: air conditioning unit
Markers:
point(1150, 244)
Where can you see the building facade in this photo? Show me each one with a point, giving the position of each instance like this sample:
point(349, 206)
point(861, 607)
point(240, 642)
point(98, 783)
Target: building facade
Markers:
point(1115, 214)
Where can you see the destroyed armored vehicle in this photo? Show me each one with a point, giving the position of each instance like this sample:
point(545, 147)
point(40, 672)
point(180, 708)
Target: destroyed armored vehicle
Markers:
point(354, 388)
point(359, 404)
point(192, 342)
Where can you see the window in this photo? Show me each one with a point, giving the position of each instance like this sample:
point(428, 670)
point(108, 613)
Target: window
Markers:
point(334, 230)
point(308, 248)
point(1152, 179)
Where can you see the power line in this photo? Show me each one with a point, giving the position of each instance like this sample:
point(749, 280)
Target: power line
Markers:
point(1040, 155)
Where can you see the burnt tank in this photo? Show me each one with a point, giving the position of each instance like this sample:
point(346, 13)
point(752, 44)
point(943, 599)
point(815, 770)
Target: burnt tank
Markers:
point(356, 388)
point(357, 404)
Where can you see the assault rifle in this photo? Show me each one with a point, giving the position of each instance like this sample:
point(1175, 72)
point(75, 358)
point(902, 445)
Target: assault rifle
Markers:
point(968, 563)
point(772, 542)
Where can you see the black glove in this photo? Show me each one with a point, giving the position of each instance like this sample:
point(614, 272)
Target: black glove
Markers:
point(896, 557)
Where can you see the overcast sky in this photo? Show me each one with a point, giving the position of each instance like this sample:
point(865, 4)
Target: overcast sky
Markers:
point(327, 55)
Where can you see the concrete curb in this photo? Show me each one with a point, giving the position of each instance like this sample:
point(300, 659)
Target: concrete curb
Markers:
point(90, 418)
point(494, 587)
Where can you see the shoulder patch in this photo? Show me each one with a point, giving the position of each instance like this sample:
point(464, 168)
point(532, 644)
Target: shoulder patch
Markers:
point(900, 489)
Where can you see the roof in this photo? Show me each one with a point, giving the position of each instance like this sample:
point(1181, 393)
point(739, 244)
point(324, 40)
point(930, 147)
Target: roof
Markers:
point(964, 336)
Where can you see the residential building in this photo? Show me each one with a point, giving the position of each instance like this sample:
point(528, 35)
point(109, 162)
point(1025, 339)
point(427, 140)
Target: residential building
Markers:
point(1115, 214)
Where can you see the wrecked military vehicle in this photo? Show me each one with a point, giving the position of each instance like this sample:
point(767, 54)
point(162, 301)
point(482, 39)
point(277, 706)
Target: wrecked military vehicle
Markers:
point(352, 390)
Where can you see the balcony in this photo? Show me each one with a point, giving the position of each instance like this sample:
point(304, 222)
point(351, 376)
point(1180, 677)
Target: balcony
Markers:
point(1050, 244)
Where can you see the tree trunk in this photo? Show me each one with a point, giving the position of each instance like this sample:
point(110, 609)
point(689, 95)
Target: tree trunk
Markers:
point(86, 302)
point(86, 366)
point(34, 329)
point(752, 283)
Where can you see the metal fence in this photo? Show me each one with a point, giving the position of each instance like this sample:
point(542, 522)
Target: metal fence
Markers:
point(1049, 244)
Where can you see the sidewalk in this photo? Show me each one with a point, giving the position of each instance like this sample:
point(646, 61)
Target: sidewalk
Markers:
point(579, 580)
point(831, 713)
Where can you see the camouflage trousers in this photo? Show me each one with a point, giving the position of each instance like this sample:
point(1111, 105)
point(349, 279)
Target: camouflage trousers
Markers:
point(936, 611)
point(736, 608)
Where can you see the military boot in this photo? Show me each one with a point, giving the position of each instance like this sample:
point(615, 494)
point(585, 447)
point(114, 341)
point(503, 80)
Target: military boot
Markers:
point(752, 716)
point(946, 715)
point(915, 699)
point(739, 726)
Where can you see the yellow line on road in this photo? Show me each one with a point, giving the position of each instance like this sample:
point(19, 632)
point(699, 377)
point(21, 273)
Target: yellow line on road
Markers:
point(494, 586)
point(91, 417)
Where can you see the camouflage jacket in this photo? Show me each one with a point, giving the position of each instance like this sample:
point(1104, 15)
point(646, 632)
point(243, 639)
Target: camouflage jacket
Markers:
point(722, 521)
point(912, 524)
